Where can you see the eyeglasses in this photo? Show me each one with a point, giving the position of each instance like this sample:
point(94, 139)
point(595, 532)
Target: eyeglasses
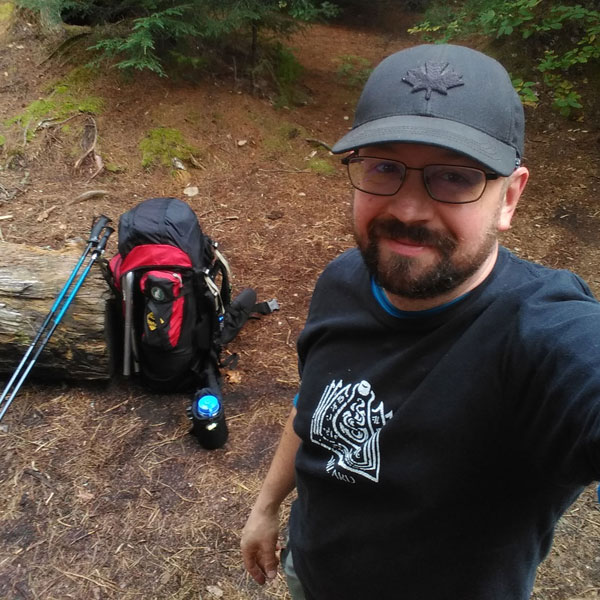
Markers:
point(450, 184)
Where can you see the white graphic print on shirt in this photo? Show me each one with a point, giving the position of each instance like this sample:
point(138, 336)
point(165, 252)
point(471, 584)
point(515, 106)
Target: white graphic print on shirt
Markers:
point(347, 422)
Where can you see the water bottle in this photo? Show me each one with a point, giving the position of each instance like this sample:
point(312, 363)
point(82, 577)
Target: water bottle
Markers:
point(208, 419)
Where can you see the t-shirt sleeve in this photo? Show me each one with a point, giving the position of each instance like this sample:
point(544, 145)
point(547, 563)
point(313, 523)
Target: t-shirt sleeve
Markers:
point(554, 370)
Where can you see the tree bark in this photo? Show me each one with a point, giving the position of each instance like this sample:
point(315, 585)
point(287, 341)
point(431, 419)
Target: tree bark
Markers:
point(30, 281)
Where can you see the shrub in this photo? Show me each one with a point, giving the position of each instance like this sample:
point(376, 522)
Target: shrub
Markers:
point(563, 36)
point(150, 30)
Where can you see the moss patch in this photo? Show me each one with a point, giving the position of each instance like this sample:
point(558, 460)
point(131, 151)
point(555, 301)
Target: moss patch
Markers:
point(7, 9)
point(161, 145)
point(283, 139)
point(65, 99)
point(321, 166)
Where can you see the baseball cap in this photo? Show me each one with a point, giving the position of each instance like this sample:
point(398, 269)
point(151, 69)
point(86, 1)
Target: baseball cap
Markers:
point(442, 95)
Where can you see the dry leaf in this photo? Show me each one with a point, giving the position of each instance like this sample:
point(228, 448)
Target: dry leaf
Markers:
point(233, 376)
point(85, 495)
point(183, 177)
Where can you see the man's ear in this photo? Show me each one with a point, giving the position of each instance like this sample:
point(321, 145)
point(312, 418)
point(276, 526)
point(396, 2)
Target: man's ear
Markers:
point(515, 184)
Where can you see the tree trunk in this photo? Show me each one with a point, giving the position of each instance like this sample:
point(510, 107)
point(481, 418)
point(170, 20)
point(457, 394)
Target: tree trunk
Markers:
point(30, 281)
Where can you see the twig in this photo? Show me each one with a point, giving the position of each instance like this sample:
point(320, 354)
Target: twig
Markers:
point(104, 584)
point(39, 476)
point(90, 137)
point(285, 170)
point(178, 494)
point(116, 406)
point(64, 43)
point(47, 123)
point(225, 219)
point(81, 537)
point(315, 142)
point(88, 196)
point(99, 166)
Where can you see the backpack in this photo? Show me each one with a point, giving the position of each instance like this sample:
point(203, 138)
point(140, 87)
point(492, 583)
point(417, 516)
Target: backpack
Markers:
point(175, 288)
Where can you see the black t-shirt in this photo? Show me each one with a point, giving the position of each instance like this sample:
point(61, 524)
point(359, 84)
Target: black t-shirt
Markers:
point(439, 451)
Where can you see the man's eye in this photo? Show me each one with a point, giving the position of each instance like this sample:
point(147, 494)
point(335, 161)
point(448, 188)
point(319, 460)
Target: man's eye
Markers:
point(454, 177)
point(386, 168)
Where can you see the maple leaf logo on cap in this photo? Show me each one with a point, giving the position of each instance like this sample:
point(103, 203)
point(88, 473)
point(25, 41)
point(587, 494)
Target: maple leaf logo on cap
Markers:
point(433, 77)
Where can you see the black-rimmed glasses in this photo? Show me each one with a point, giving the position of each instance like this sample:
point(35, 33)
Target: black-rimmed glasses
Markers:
point(451, 184)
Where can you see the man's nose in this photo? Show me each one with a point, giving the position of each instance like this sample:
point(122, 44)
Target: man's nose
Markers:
point(412, 202)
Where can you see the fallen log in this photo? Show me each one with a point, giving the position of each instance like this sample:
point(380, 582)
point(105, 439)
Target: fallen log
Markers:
point(31, 279)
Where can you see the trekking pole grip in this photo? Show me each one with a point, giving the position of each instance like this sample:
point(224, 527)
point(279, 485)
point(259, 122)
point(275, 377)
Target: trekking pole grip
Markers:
point(102, 243)
point(97, 228)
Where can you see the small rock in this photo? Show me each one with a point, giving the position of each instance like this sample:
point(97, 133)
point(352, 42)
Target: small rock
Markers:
point(191, 191)
point(241, 143)
point(215, 591)
point(177, 164)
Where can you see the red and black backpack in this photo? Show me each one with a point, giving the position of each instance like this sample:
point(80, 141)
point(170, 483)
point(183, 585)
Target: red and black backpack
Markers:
point(176, 297)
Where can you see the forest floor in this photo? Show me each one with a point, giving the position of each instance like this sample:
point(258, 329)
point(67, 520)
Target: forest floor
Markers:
point(104, 494)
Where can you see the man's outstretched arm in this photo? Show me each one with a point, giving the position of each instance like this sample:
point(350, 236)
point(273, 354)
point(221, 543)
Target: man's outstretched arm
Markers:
point(259, 536)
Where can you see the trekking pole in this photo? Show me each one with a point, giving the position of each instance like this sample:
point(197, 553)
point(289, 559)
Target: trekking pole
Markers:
point(98, 250)
point(97, 228)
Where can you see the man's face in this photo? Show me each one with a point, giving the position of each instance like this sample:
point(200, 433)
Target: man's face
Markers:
point(419, 248)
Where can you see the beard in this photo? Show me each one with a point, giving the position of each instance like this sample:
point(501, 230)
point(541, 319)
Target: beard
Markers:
point(401, 275)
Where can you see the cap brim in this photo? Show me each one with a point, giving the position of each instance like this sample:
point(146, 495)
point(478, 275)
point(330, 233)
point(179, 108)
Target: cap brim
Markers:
point(497, 156)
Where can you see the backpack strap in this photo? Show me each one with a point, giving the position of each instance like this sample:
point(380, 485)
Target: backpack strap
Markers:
point(221, 265)
point(109, 276)
point(266, 308)
point(215, 294)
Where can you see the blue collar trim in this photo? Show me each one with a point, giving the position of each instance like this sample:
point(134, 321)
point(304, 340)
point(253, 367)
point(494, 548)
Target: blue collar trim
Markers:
point(408, 314)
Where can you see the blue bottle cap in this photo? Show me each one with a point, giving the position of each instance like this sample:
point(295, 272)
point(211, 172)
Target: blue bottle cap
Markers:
point(208, 405)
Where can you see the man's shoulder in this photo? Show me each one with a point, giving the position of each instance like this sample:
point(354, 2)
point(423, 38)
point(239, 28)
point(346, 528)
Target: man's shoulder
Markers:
point(548, 308)
point(350, 258)
point(347, 266)
point(525, 277)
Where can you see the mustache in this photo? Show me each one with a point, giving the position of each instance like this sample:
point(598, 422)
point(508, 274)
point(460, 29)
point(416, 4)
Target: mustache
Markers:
point(394, 229)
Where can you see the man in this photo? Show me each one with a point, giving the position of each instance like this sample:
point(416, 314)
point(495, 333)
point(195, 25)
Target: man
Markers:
point(449, 409)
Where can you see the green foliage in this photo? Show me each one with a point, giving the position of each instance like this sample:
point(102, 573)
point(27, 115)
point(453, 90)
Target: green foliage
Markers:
point(321, 166)
point(113, 168)
point(2, 141)
point(6, 11)
point(280, 139)
point(526, 91)
point(64, 100)
point(353, 70)
point(161, 145)
point(287, 71)
point(564, 35)
point(149, 32)
point(50, 10)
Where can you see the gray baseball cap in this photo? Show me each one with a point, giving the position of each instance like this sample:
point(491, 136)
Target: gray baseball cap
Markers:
point(442, 95)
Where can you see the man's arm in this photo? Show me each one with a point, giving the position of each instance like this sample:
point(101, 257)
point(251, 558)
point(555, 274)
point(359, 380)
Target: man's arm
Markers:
point(259, 536)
